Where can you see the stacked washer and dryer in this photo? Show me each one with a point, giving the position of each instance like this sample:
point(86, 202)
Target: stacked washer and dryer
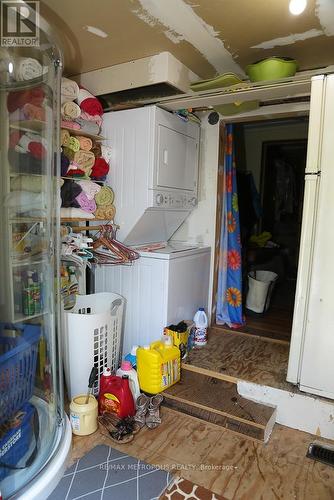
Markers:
point(154, 174)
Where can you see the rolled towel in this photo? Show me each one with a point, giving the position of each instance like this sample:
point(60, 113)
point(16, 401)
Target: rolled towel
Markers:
point(86, 204)
point(100, 168)
point(70, 110)
point(69, 124)
point(64, 137)
point(87, 127)
point(90, 188)
point(32, 112)
point(75, 214)
point(69, 192)
point(27, 68)
point(19, 98)
point(85, 159)
point(69, 89)
point(105, 213)
point(64, 164)
point(69, 153)
point(74, 144)
point(32, 143)
point(97, 149)
point(105, 196)
point(74, 171)
point(106, 152)
point(85, 143)
point(89, 103)
point(92, 118)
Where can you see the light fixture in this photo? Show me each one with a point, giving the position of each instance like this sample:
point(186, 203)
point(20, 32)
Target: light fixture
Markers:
point(96, 31)
point(296, 7)
point(10, 67)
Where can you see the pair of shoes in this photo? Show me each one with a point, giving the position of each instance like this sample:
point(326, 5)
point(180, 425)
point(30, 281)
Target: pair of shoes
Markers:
point(121, 430)
point(148, 410)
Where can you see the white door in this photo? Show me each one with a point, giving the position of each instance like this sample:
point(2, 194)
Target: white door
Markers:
point(177, 160)
point(317, 368)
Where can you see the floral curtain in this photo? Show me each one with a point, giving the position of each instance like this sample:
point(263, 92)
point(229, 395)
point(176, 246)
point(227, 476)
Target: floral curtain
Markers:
point(229, 293)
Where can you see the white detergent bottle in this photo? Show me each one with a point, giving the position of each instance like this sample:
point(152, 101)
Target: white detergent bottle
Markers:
point(201, 327)
point(126, 369)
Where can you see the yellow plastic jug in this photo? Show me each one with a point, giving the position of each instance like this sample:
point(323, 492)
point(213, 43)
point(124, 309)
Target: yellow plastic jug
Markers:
point(158, 366)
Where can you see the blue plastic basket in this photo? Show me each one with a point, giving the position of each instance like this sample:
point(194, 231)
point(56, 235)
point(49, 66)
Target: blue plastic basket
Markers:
point(15, 443)
point(18, 358)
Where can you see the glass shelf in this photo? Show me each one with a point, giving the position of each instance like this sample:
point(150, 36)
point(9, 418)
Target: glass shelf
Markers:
point(39, 126)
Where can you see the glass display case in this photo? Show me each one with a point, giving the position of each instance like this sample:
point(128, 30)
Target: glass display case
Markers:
point(33, 430)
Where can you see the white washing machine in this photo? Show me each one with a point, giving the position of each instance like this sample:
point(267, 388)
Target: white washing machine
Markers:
point(162, 287)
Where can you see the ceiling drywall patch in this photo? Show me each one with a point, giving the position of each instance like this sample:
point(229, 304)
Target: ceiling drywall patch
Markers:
point(180, 23)
point(325, 12)
point(288, 40)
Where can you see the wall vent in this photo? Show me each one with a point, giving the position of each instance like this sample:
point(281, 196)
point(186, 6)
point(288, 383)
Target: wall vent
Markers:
point(321, 452)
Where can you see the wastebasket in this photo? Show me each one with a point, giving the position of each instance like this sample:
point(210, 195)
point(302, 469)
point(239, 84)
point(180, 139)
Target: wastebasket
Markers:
point(260, 288)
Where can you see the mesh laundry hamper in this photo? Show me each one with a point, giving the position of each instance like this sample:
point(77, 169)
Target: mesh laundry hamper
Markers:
point(92, 336)
point(260, 288)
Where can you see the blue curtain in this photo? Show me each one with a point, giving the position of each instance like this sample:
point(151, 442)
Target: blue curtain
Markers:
point(229, 294)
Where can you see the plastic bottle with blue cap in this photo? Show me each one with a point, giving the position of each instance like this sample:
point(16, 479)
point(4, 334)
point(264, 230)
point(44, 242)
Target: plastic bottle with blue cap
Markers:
point(201, 327)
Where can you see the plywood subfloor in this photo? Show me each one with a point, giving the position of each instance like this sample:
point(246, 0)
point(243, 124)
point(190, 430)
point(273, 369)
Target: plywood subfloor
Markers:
point(243, 357)
point(217, 401)
point(276, 324)
point(230, 465)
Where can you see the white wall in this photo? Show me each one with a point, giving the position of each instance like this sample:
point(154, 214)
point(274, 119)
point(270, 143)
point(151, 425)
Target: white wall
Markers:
point(256, 135)
point(199, 228)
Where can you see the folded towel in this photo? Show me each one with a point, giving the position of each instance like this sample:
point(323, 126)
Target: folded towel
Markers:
point(69, 124)
point(32, 112)
point(87, 127)
point(89, 103)
point(64, 137)
point(106, 152)
point(74, 144)
point(69, 90)
point(25, 163)
point(85, 203)
point(70, 110)
point(85, 160)
point(19, 98)
point(100, 168)
point(85, 143)
point(90, 188)
point(74, 171)
point(75, 213)
point(31, 183)
point(23, 200)
point(64, 164)
point(69, 191)
point(105, 196)
point(32, 143)
point(27, 68)
point(92, 118)
point(106, 212)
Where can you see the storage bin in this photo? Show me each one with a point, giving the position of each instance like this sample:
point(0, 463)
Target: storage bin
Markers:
point(260, 288)
point(18, 356)
point(92, 336)
point(15, 443)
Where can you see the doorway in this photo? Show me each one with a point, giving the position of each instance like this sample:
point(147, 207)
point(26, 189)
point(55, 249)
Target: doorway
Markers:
point(270, 159)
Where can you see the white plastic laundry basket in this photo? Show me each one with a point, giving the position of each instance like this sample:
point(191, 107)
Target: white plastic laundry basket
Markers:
point(92, 336)
point(260, 288)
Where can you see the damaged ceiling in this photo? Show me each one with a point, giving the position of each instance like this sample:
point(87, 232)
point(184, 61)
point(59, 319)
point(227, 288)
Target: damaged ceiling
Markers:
point(208, 36)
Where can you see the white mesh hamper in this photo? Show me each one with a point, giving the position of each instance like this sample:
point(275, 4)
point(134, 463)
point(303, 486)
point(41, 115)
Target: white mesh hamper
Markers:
point(91, 339)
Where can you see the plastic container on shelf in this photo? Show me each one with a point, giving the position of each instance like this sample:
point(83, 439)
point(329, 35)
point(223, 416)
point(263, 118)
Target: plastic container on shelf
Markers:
point(83, 415)
point(115, 395)
point(92, 336)
point(201, 327)
point(158, 366)
point(126, 369)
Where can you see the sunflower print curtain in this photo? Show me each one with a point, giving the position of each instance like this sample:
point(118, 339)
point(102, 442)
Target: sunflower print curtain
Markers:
point(229, 296)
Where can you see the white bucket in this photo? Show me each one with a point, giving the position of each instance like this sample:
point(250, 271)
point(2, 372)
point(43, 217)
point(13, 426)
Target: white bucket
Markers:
point(260, 288)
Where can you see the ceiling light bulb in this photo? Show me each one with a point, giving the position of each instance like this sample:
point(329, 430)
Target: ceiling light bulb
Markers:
point(10, 67)
point(296, 7)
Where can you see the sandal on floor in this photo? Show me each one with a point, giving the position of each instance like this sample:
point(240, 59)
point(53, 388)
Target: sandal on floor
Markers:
point(153, 415)
point(119, 430)
point(141, 409)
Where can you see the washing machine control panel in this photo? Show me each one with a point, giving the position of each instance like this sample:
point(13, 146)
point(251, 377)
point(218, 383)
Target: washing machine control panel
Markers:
point(167, 199)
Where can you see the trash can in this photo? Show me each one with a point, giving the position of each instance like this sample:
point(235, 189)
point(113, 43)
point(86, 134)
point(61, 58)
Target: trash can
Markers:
point(260, 288)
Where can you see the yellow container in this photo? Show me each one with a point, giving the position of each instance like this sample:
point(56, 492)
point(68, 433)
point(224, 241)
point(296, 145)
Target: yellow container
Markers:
point(158, 366)
point(83, 416)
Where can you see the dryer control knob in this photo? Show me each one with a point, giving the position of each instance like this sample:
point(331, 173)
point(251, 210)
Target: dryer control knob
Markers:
point(159, 199)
